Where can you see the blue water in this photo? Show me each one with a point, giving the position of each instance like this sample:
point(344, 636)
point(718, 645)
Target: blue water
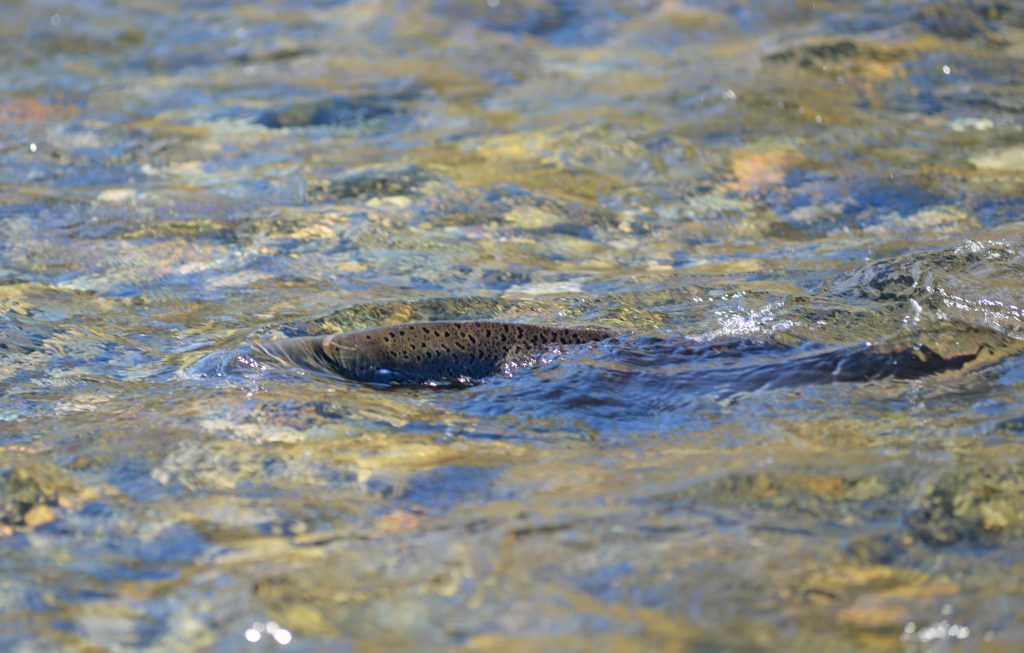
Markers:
point(749, 193)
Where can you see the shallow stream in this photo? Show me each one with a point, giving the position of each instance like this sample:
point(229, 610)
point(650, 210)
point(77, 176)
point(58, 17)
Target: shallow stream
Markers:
point(752, 193)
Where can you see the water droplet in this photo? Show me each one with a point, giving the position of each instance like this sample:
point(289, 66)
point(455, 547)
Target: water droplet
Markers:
point(946, 70)
point(282, 636)
point(55, 20)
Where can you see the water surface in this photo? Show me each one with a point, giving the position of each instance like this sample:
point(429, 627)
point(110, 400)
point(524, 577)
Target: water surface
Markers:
point(744, 189)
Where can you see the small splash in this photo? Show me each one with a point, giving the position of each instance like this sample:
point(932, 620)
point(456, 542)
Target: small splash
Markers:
point(515, 364)
point(220, 364)
point(968, 124)
point(939, 633)
point(271, 629)
point(755, 322)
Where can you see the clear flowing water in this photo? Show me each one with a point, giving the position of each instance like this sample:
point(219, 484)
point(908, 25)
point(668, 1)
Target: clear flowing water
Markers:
point(758, 194)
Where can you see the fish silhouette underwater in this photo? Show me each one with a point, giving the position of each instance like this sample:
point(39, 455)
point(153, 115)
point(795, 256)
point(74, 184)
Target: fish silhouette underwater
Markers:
point(422, 352)
point(463, 351)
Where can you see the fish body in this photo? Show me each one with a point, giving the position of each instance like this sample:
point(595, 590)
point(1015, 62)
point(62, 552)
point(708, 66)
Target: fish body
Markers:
point(465, 350)
point(420, 352)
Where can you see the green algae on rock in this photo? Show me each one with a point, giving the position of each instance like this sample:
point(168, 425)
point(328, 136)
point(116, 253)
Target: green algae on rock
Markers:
point(971, 503)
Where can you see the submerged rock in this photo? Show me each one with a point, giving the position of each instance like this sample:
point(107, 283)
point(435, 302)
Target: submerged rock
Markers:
point(336, 112)
point(534, 17)
point(29, 492)
point(378, 181)
point(981, 503)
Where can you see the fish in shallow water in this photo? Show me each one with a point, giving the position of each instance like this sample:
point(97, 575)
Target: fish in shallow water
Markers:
point(422, 352)
point(459, 351)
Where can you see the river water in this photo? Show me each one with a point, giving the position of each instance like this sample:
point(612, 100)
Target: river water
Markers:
point(758, 195)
